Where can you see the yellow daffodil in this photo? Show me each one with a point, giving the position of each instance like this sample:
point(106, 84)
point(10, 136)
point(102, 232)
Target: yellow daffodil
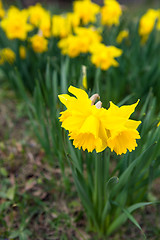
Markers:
point(147, 23)
point(92, 127)
point(122, 134)
point(122, 35)
point(70, 46)
point(73, 45)
point(158, 21)
point(86, 10)
point(45, 25)
point(36, 14)
point(7, 55)
point(39, 43)
point(73, 19)
point(104, 56)
point(110, 13)
point(15, 24)
point(2, 11)
point(40, 18)
point(61, 26)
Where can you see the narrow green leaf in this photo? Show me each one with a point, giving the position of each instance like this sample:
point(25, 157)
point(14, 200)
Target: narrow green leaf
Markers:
point(123, 217)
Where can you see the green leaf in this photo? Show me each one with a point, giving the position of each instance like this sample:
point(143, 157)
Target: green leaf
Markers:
point(11, 193)
point(4, 206)
point(14, 234)
point(74, 157)
point(123, 217)
point(123, 179)
point(24, 234)
point(3, 172)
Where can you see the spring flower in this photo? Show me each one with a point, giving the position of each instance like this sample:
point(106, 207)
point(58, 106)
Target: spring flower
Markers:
point(92, 127)
point(104, 56)
point(22, 52)
point(158, 124)
point(61, 26)
point(86, 10)
point(2, 11)
point(7, 55)
point(122, 35)
point(15, 24)
point(39, 43)
point(36, 14)
point(70, 46)
point(82, 120)
point(40, 18)
point(45, 25)
point(73, 45)
point(158, 21)
point(123, 136)
point(147, 23)
point(110, 13)
point(73, 19)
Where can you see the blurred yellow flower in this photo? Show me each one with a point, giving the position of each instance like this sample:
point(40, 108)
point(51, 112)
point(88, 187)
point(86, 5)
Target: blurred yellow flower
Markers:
point(70, 46)
point(73, 45)
point(15, 24)
point(2, 11)
point(39, 17)
point(22, 52)
point(39, 43)
point(45, 25)
point(86, 10)
point(147, 23)
point(73, 19)
point(104, 56)
point(61, 26)
point(158, 124)
point(158, 21)
point(110, 13)
point(36, 14)
point(92, 127)
point(91, 34)
point(7, 55)
point(122, 35)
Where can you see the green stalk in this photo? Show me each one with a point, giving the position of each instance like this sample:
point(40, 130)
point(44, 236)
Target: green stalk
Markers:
point(97, 80)
point(99, 192)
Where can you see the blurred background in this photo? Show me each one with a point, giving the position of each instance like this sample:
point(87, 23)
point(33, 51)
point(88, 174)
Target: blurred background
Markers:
point(67, 3)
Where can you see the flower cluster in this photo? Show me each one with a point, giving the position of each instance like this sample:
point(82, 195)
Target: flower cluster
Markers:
point(81, 31)
point(92, 127)
point(73, 45)
point(72, 29)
